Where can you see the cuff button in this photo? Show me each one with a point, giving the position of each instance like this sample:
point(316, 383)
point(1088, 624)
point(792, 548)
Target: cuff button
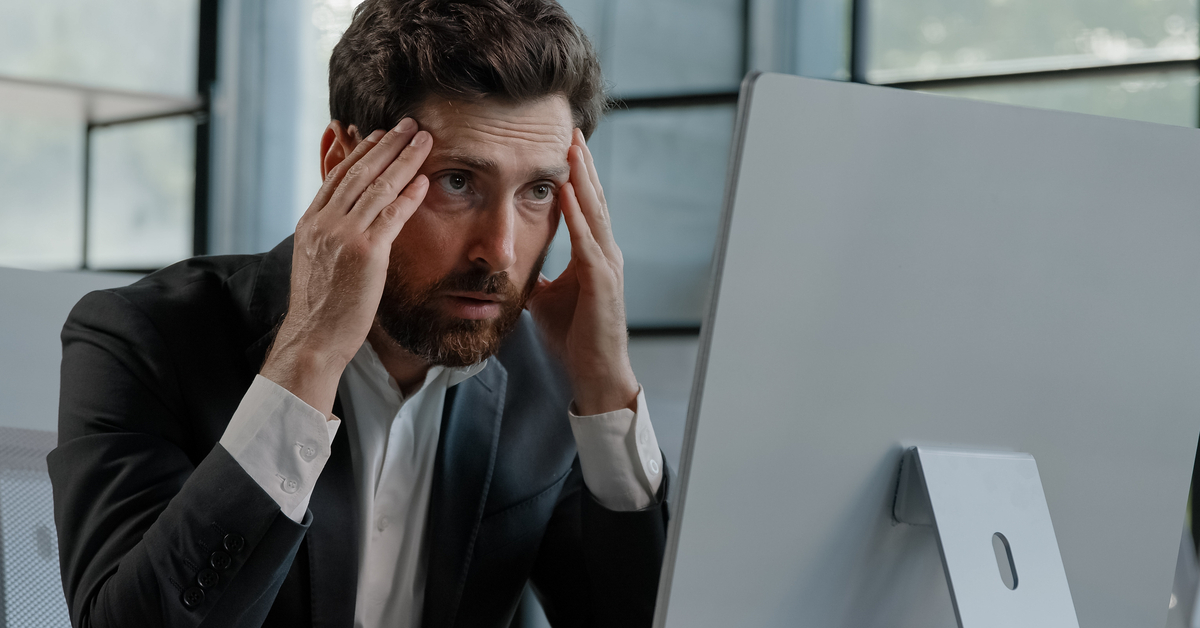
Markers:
point(234, 543)
point(207, 578)
point(308, 453)
point(220, 560)
point(290, 486)
point(192, 597)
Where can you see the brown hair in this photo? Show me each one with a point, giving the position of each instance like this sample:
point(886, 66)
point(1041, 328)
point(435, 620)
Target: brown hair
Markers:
point(397, 53)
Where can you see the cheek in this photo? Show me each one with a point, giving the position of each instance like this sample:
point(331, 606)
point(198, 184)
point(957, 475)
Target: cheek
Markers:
point(533, 237)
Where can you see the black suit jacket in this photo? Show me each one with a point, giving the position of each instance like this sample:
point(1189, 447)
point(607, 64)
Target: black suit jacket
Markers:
point(150, 507)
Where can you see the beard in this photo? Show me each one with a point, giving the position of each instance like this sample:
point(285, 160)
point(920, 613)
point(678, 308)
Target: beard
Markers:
point(408, 314)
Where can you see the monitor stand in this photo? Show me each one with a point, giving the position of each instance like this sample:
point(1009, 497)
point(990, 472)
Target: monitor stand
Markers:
point(994, 532)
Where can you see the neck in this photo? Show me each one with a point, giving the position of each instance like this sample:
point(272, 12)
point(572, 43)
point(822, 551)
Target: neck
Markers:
point(407, 369)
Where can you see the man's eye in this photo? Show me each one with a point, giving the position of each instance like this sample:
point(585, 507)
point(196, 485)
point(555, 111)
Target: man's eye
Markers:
point(541, 192)
point(454, 182)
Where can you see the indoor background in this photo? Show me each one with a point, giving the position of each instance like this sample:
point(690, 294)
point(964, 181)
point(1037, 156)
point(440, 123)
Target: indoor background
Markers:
point(135, 133)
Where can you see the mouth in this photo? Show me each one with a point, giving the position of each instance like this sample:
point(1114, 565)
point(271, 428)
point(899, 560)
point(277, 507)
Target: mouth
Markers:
point(473, 305)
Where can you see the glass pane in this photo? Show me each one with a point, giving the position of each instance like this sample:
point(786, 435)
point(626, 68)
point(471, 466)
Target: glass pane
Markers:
point(41, 178)
point(319, 33)
point(916, 39)
point(1166, 97)
point(823, 37)
point(142, 194)
point(141, 45)
point(663, 172)
point(666, 46)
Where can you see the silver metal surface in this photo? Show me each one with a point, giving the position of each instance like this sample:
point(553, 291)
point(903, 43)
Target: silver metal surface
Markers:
point(970, 497)
point(901, 269)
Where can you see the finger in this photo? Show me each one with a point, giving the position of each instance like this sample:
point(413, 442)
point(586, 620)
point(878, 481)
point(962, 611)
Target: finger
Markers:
point(389, 185)
point(583, 244)
point(335, 174)
point(391, 218)
point(591, 164)
point(589, 202)
point(359, 175)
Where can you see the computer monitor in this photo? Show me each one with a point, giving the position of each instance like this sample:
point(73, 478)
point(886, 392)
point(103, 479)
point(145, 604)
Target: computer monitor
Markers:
point(901, 269)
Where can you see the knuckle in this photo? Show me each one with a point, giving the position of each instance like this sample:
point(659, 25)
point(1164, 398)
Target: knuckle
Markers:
point(381, 187)
point(390, 212)
point(357, 171)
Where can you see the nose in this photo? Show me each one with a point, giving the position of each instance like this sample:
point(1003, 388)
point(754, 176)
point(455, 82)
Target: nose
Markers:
point(493, 241)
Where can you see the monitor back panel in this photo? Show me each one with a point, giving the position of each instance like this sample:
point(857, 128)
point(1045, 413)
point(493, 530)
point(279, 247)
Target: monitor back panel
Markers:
point(901, 268)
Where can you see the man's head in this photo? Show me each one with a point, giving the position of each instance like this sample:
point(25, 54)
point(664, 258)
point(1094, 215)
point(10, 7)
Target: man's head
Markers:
point(500, 85)
point(396, 54)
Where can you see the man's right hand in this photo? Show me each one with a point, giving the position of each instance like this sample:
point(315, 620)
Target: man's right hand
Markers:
point(340, 260)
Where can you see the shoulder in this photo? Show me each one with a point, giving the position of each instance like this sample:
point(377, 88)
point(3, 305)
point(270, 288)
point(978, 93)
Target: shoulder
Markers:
point(239, 292)
point(179, 288)
point(163, 355)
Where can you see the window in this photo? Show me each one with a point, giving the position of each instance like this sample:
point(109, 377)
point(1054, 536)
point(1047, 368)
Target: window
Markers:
point(1133, 59)
point(674, 68)
point(98, 149)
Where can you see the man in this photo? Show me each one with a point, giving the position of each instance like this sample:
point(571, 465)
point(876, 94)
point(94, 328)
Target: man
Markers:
point(362, 427)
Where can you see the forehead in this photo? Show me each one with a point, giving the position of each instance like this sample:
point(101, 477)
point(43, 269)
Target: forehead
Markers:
point(534, 134)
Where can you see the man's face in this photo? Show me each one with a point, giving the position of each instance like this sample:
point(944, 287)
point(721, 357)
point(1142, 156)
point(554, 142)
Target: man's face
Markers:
point(465, 262)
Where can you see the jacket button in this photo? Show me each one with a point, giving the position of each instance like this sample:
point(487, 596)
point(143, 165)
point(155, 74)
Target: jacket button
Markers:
point(234, 543)
point(192, 597)
point(220, 560)
point(207, 578)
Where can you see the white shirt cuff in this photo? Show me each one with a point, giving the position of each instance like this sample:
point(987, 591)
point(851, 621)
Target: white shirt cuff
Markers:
point(618, 452)
point(281, 442)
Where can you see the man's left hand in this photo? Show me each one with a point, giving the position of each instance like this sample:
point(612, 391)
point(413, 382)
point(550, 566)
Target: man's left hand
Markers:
point(582, 312)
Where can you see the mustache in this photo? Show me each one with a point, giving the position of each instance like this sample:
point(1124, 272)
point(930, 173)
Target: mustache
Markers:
point(478, 280)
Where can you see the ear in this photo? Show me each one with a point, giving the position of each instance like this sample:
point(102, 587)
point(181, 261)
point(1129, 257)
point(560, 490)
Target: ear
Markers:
point(337, 142)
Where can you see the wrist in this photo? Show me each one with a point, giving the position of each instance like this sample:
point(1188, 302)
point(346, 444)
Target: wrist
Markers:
point(308, 373)
point(599, 395)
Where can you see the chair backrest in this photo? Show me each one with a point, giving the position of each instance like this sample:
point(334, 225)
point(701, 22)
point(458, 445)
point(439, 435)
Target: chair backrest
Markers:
point(31, 591)
point(33, 307)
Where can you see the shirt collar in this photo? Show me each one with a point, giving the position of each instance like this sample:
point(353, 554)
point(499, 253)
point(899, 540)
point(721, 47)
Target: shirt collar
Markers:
point(367, 360)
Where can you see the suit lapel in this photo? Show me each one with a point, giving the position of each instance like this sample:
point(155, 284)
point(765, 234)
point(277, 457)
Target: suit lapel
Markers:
point(462, 476)
point(333, 537)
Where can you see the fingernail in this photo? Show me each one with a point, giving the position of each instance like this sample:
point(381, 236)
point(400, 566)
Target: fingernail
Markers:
point(375, 135)
point(405, 125)
point(420, 138)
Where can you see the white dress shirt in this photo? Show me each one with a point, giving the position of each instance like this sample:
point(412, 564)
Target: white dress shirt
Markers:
point(283, 444)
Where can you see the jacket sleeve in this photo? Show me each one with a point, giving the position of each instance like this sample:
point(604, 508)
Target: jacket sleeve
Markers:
point(152, 533)
point(598, 567)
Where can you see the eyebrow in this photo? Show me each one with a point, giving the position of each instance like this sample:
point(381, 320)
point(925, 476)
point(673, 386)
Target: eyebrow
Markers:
point(489, 166)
